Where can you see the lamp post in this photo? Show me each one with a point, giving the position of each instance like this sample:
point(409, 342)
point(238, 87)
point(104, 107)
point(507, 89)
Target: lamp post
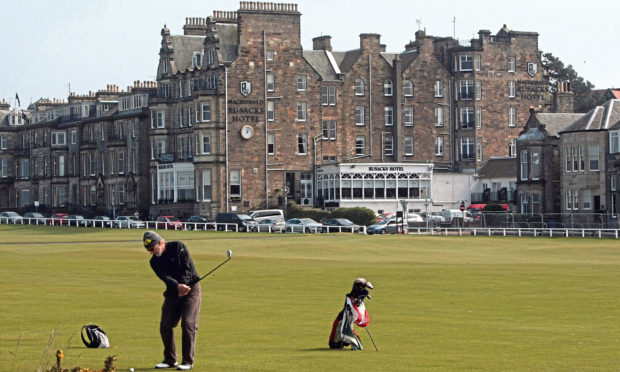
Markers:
point(113, 203)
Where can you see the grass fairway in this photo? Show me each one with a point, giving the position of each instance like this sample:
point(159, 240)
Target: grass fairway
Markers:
point(439, 303)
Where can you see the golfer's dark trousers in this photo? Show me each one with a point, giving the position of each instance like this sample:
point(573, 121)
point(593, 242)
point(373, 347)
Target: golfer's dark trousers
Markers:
point(186, 309)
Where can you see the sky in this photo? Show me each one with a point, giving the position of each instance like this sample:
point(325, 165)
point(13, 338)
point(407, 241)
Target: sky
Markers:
point(54, 47)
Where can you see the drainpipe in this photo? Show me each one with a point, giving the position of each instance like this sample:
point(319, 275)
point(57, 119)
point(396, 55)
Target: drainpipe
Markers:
point(265, 109)
point(226, 177)
point(370, 103)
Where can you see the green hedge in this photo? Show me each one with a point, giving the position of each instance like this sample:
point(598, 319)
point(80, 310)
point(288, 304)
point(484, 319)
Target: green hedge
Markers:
point(358, 215)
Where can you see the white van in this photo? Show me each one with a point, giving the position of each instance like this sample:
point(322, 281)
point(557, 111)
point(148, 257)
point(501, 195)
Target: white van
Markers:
point(450, 214)
point(276, 214)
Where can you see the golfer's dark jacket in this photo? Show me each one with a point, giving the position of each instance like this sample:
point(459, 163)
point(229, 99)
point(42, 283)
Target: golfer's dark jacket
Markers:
point(175, 267)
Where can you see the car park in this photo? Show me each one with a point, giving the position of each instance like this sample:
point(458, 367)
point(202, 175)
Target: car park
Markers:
point(10, 217)
point(271, 225)
point(385, 226)
point(34, 218)
point(101, 221)
point(303, 225)
point(243, 222)
point(131, 222)
point(340, 225)
point(59, 218)
point(169, 223)
point(76, 220)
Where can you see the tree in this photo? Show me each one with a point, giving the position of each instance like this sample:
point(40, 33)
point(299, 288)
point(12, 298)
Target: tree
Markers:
point(582, 89)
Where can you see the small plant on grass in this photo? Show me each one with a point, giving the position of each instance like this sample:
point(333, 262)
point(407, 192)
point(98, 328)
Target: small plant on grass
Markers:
point(107, 367)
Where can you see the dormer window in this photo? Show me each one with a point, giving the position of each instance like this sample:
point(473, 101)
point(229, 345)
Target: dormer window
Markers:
point(197, 59)
point(466, 63)
point(164, 66)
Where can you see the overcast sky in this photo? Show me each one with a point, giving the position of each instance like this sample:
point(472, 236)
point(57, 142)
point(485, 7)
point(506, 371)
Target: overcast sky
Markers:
point(89, 44)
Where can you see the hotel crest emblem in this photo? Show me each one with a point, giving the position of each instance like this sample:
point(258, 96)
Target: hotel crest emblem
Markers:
point(246, 88)
point(532, 68)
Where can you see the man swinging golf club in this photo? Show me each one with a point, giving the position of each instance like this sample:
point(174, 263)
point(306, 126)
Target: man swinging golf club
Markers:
point(354, 312)
point(172, 263)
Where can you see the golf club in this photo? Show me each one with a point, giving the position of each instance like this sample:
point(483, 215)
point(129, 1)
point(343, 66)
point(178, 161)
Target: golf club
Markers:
point(373, 341)
point(228, 254)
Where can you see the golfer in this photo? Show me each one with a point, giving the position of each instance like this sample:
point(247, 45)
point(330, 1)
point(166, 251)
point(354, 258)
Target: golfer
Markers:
point(172, 264)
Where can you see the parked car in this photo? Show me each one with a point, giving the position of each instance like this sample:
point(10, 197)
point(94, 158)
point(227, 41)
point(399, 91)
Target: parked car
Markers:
point(198, 223)
point(382, 216)
point(76, 220)
point(34, 218)
point(101, 221)
point(271, 225)
point(267, 213)
point(59, 218)
point(243, 222)
point(131, 222)
point(434, 217)
point(303, 225)
point(169, 222)
point(11, 217)
point(385, 226)
point(450, 214)
point(340, 225)
point(414, 218)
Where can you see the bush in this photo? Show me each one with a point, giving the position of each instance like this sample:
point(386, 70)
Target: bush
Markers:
point(295, 211)
point(358, 215)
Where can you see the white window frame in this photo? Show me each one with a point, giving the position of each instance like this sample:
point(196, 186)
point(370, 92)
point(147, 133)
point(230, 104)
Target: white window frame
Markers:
point(439, 146)
point(439, 116)
point(271, 110)
point(3, 142)
point(360, 88)
point(614, 141)
point(512, 64)
point(302, 83)
point(479, 149)
point(594, 155)
point(524, 172)
point(464, 60)
point(388, 145)
point(270, 82)
point(360, 145)
point(271, 144)
point(468, 143)
point(512, 117)
point(388, 88)
point(409, 146)
point(302, 144)
point(205, 110)
point(408, 88)
point(438, 89)
point(587, 199)
point(478, 90)
point(465, 114)
point(207, 183)
point(512, 89)
point(466, 90)
point(613, 183)
point(388, 116)
point(408, 116)
point(206, 144)
point(512, 147)
point(478, 117)
point(360, 118)
point(302, 111)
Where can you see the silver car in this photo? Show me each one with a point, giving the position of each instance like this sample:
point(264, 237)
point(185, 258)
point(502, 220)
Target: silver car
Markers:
point(303, 225)
point(11, 217)
point(131, 222)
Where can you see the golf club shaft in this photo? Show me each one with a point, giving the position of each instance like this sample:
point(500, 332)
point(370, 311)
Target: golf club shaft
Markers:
point(217, 267)
point(373, 341)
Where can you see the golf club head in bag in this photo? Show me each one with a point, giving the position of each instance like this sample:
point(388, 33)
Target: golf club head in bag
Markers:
point(95, 335)
point(360, 289)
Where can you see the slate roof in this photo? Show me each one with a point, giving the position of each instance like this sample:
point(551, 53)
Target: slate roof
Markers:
point(604, 117)
point(183, 48)
point(555, 122)
point(320, 63)
point(500, 167)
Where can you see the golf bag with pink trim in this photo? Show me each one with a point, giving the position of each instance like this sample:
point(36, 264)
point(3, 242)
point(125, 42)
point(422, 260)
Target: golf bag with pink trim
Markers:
point(354, 312)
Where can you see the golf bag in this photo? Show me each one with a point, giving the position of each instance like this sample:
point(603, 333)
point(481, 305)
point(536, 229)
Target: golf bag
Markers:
point(96, 337)
point(354, 312)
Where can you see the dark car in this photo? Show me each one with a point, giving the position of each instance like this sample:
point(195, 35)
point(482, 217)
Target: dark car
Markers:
point(243, 222)
point(76, 220)
point(101, 221)
point(169, 223)
point(59, 218)
point(340, 225)
point(34, 218)
point(198, 223)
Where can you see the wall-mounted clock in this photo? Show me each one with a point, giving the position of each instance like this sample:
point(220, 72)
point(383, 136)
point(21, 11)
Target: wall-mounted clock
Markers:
point(247, 132)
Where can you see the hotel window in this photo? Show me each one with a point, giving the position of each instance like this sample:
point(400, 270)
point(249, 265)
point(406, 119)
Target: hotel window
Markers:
point(408, 88)
point(161, 118)
point(612, 183)
point(161, 147)
point(512, 116)
point(301, 82)
point(467, 117)
point(359, 87)
point(575, 159)
point(575, 199)
point(408, 116)
point(206, 185)
point(614, 141)
point(328, 95)
point(466, 89)
point(408, 146)
point(478, 90)
point(582, 158)
point(360, 145)
point(388, 145)
point(567, 157)
point(58, 138)
point(512, 89)
point(271, 144)
point(388, 116)
point(466, 63)
point(512, 147)
point(329, 130)
point(387, 88)
point(5, 168)
point(61, 165)
point(524, 165)
point(92, 166)
point(535, 172)
point(3, 142)
point(438, 89)
point(479, 149)
point(271, 86)
point(467, 149)
point(587, 199)
point(438, 146)
point(235, 183)
point(477, 62)
point(206, 112)
point(206, 144)
point(512, 64)
point(359, 115)
point(594, 158)
point(25, 169)
point(439, 116)
point(302, 111)
point(271, 111)
point(270, 55)
point(478, 117)
point(73, 137)
point(302, 143)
